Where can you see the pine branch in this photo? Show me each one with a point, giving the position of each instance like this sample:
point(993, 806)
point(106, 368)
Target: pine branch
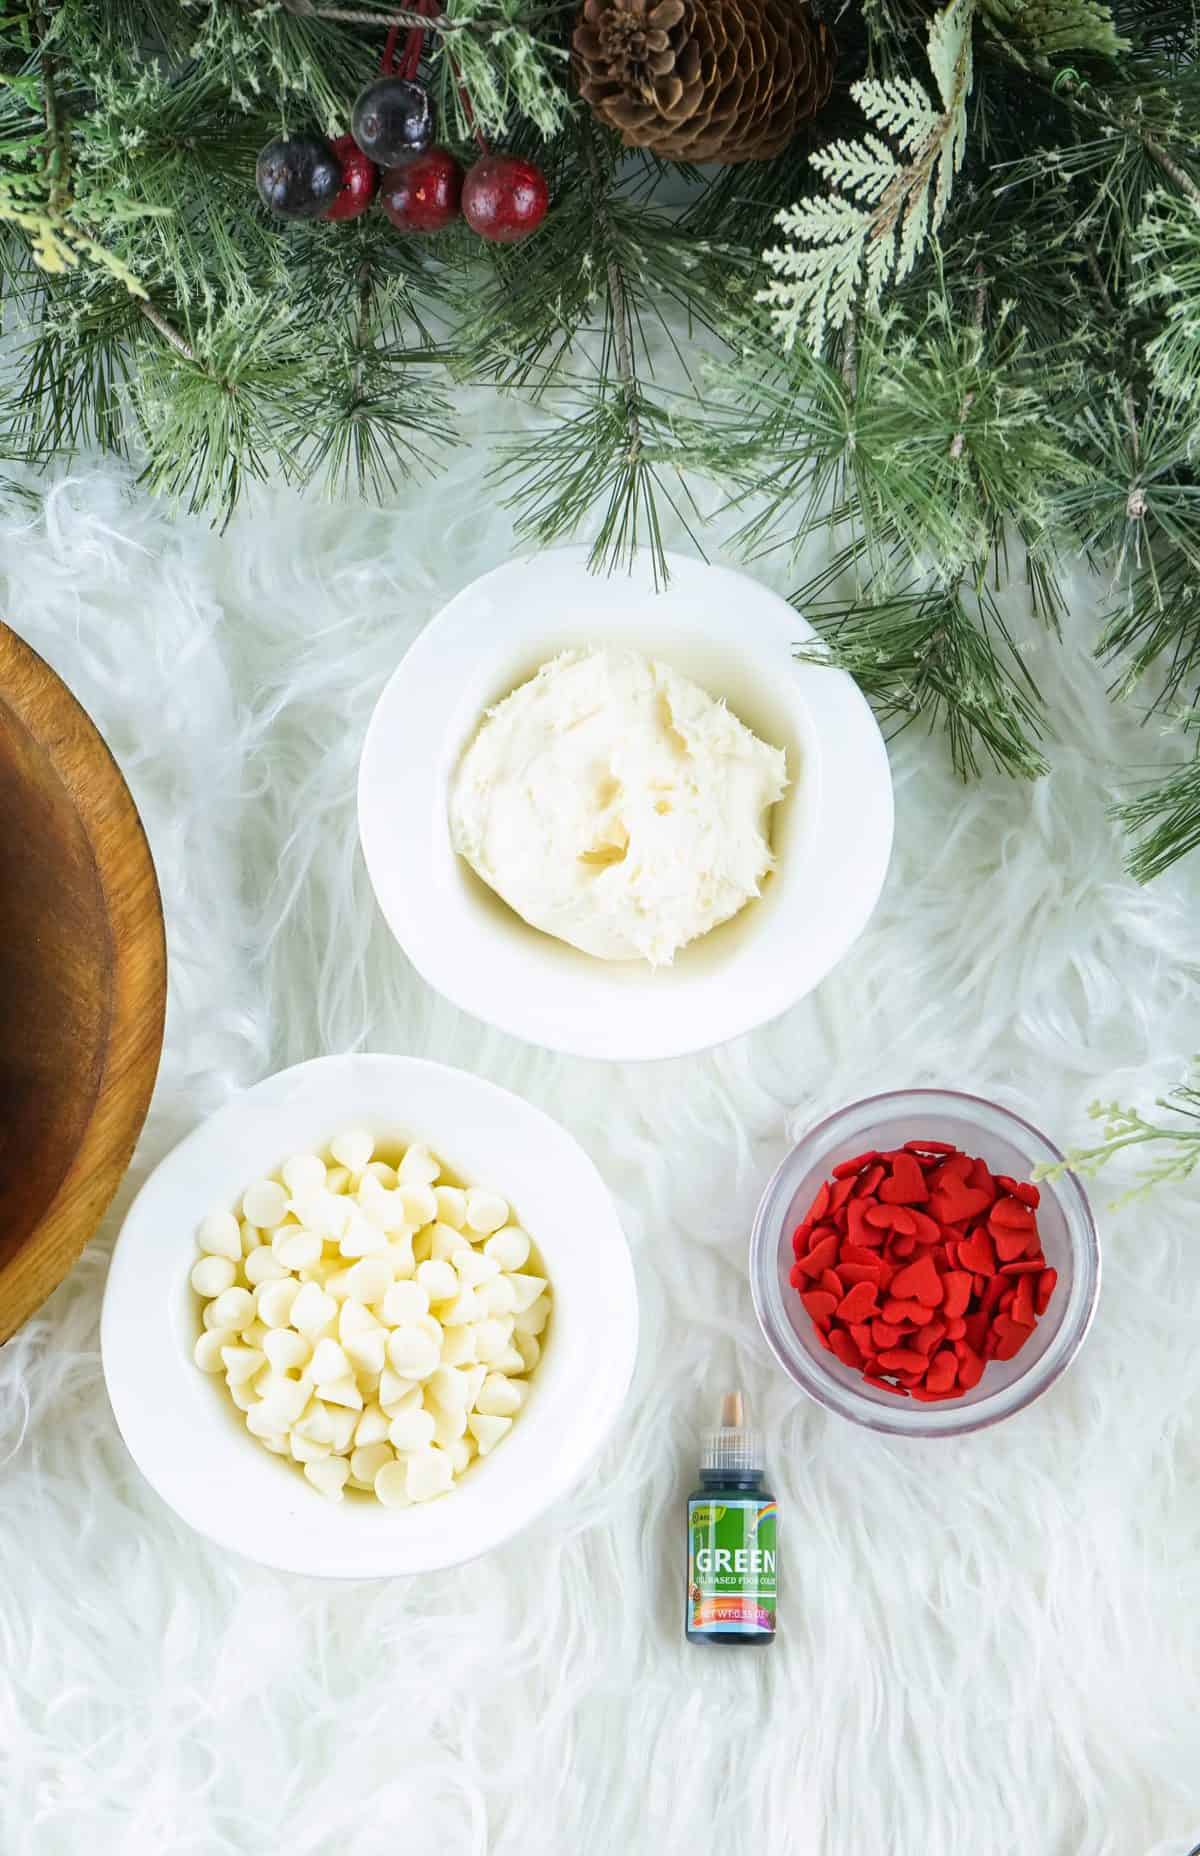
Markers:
point(1169, 816)
point(943, 658)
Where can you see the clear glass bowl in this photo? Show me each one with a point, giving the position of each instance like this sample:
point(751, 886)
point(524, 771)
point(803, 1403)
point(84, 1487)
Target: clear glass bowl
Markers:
point(1008, 1145)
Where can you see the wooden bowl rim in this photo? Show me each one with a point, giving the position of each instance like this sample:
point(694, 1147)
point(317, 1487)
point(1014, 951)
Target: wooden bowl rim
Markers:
point(83, 762)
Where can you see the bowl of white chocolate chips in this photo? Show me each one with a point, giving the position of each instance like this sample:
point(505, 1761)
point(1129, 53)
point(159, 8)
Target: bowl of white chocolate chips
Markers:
point(371, 1317)
point(622, 820)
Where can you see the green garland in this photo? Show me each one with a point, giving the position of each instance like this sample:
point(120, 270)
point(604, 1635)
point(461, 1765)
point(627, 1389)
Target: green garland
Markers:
point(957, 323)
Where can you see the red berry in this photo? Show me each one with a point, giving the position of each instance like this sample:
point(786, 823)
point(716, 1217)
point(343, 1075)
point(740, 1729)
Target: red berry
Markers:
point(504, 198)
point(359, 180)
point(422, 193)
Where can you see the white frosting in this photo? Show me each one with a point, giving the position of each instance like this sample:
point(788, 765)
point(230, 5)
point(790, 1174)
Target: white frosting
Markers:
point(614, 804)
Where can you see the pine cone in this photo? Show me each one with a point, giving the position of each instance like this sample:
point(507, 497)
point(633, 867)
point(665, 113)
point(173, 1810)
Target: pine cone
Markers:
point(703, 80)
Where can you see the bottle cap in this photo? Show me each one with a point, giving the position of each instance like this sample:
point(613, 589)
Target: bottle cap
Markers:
point(732, 1448)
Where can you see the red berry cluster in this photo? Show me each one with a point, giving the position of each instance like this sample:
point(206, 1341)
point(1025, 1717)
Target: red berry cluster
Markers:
point(423, 188)
point(919, 1266)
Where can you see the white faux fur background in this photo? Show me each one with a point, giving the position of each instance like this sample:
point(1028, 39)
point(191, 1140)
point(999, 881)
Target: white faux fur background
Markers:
point(987, 1646)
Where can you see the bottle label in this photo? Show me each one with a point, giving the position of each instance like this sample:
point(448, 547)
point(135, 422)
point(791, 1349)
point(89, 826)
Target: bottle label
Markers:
point(731, 1565)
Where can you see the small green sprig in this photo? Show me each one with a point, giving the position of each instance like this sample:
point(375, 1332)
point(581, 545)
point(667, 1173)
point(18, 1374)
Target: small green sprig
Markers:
point(1176, 1157)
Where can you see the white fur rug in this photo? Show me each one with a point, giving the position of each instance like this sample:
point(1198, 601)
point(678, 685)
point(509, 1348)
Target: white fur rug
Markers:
point(987, 1646)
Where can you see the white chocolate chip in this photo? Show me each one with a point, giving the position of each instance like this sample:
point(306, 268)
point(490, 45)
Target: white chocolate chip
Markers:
point(328, 1364)
point(487, 1431)
point(265, 1204)
point(439, 1280)
point(499, 1297)
point(312, 1310)
point(534, 1318)
point(500, 1397)
point(391, 1485)
point(396, 1392)
point(486, 1211)
point(412, 1352)
point(419, 1168)
point(412, 1430)
point(306, 1451)
point(303, 1175)
point(213, 1275)
point(510, 1247)
point(509, 1361)
point(208, 1349)
point(404, 1302)
point(330, 1476)
point(277, 1301)
point(381, 1171)
point(344, 1422)
point(491, 1338)
point(263, 1265)
point(372, 1427)
point(355, 1319)
point(448, 1388)
point(220, 1236)
point(296, 1248)
point(460, 1453)
point(370, 1280)
point(446, 1243)
point(233, 1308)
point(285, 1349)
point(368, 1460)
point(342, 1392)
point(353, 1149)
point(529, 1349)
point(430, 1473)
point(452, 1206)
point(417, 1204)
point(242, 1363)
point(474, 1268)
point(366, 1353)
point(361, 1238)
point(458, 1346)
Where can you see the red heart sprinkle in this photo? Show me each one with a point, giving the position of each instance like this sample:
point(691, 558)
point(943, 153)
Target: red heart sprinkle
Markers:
point(942, 1372)
point(906, 1185)
point(926, 1339)
point(1008, 1215)
point(976, 1253)
point(914, 1313)
point(929, 1147)
point(820, 1257)
point(902, 1360)
point(820, 1205)
point(820, 1306)
point(843, 1345)
point(1009, 1335)
point(847, 1169)
point(858, 1303)
point(832, 1283)
point(957, 1284)
point(920, 1282)
point(1047, 1283)
point(1022, 1305)
point(1010, 1244)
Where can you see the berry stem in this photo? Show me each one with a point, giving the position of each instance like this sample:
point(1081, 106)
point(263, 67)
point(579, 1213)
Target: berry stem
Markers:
point(387, 64)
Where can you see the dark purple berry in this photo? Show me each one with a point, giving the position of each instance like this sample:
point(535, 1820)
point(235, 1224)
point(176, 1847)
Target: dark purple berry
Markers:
point(391, 118)
point(299, 178)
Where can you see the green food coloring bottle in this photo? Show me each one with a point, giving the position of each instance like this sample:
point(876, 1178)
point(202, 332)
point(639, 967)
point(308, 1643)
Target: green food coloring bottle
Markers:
point(731, 1562)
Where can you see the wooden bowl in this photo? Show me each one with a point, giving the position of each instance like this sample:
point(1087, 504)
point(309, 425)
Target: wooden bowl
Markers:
point(82, 979)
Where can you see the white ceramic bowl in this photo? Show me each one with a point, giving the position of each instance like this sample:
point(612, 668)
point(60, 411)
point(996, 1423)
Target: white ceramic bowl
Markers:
point(832, 831)
point(180, 1425)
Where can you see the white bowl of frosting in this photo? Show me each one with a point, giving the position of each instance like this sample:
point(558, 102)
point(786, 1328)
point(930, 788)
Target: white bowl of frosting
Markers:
point(516, 752)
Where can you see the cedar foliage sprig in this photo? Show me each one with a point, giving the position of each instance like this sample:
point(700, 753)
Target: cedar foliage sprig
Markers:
point(1176, 1143)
